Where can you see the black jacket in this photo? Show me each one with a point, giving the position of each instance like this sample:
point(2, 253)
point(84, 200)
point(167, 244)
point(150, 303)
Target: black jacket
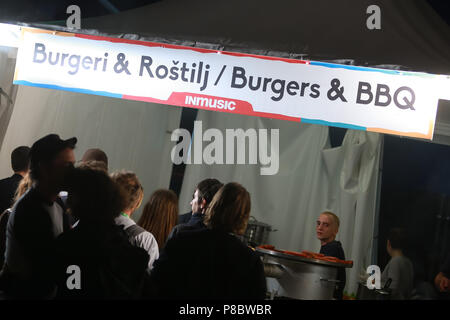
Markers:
point(8, 188)
point(110, 266)
point(208, 264)
point(196, 222)
point(334, 249)
point(33, 230)
point(184, 218)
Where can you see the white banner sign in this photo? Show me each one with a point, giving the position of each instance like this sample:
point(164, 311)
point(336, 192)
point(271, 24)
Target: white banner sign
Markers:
point(402, 103)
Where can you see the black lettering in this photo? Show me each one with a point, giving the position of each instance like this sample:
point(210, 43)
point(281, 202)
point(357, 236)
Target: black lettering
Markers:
point(291, 86)
point(105, 61)
point(238, 73)
point(364, 87)
point(39, 48)
point(266, 82)
point(205, 80)
point(200, 68)
point(85, 63)
point(193, 72)
point(50, 54)
point(279, 91)
point(382, 90)
point(315, 91)
point(183, 72)
point(165, 71)
point(409, 104)
point(250, 83)
point(174, 73)
point(146, 62)
point(64, 56)
point(97, 60)
point(74, 62)
point(304, 86)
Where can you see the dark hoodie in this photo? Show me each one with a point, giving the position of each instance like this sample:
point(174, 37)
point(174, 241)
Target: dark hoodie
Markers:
point(110, 266)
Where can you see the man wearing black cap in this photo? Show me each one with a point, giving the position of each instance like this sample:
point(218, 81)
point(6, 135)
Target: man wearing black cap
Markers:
point(37, 219)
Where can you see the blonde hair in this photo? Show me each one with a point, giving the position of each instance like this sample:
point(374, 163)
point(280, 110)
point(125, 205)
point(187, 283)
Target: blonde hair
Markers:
point(333, 217)
point(132, 188)
point(94, 165)
point(160, 215)
point(23, 186)
point(229, 210)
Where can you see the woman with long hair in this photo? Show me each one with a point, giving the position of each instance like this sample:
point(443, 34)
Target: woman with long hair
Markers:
point(160, 215)
point(212, 263)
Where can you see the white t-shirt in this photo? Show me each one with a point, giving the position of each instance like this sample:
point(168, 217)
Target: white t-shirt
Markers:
point(56, 214)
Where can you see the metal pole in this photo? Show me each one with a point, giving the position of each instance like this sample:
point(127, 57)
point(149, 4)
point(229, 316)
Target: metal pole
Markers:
point(376, 227)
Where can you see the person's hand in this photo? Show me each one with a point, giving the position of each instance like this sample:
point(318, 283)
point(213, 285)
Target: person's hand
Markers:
point(442, 283)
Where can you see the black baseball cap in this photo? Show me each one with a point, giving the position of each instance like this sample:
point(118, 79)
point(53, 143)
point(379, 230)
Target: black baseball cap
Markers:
point(46, 148)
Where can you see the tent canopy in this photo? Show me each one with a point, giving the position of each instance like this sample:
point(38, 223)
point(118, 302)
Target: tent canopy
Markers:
point(412, 35)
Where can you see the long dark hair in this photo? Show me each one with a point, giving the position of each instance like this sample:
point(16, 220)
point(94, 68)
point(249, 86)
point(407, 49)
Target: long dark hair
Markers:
point(160, 215)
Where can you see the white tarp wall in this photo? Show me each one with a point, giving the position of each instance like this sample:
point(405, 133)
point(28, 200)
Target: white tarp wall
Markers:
point(7, 65)
point(134, 135)
point(312, 177)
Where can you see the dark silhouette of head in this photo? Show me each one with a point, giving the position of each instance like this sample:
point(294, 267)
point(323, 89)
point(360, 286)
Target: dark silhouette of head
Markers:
point(229, 210)
point(51, 158)
point(93, 196)
point(95, 154)
point(20, 159)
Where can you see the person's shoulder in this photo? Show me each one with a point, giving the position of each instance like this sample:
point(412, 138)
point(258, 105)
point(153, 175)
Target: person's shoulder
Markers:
point(333, 245)
point(188, 237)
point(337, 245)
point(182, 228)
point(183, 218)
point(4, 181)
point(147, 239)
point(25, 203)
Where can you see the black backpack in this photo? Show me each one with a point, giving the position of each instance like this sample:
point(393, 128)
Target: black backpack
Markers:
point(133, 231)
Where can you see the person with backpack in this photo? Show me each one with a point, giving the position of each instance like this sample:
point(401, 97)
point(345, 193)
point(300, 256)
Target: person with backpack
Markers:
point(20, 163)
point(95, 259)
point(23, 187)
point(134, 193)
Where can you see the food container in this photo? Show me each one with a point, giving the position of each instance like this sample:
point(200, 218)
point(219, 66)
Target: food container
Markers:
point(257, 232)
point(301, 278)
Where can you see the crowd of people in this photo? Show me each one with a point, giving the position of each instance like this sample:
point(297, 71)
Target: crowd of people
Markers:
point(67, 233)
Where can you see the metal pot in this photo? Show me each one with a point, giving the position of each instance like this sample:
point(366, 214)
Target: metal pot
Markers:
point(301, 278)
point(257, 232)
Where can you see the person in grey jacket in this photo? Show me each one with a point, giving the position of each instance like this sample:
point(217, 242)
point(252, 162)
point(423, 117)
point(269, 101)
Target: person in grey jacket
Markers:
point(134, 193)
point(399, 267)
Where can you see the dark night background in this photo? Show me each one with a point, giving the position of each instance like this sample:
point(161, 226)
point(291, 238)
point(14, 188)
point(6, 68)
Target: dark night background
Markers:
point(415, 191)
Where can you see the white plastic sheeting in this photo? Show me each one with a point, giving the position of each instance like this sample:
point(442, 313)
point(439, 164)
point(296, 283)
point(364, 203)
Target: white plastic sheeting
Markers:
point(7, 65)
point(134, 135)
point(312, 177)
